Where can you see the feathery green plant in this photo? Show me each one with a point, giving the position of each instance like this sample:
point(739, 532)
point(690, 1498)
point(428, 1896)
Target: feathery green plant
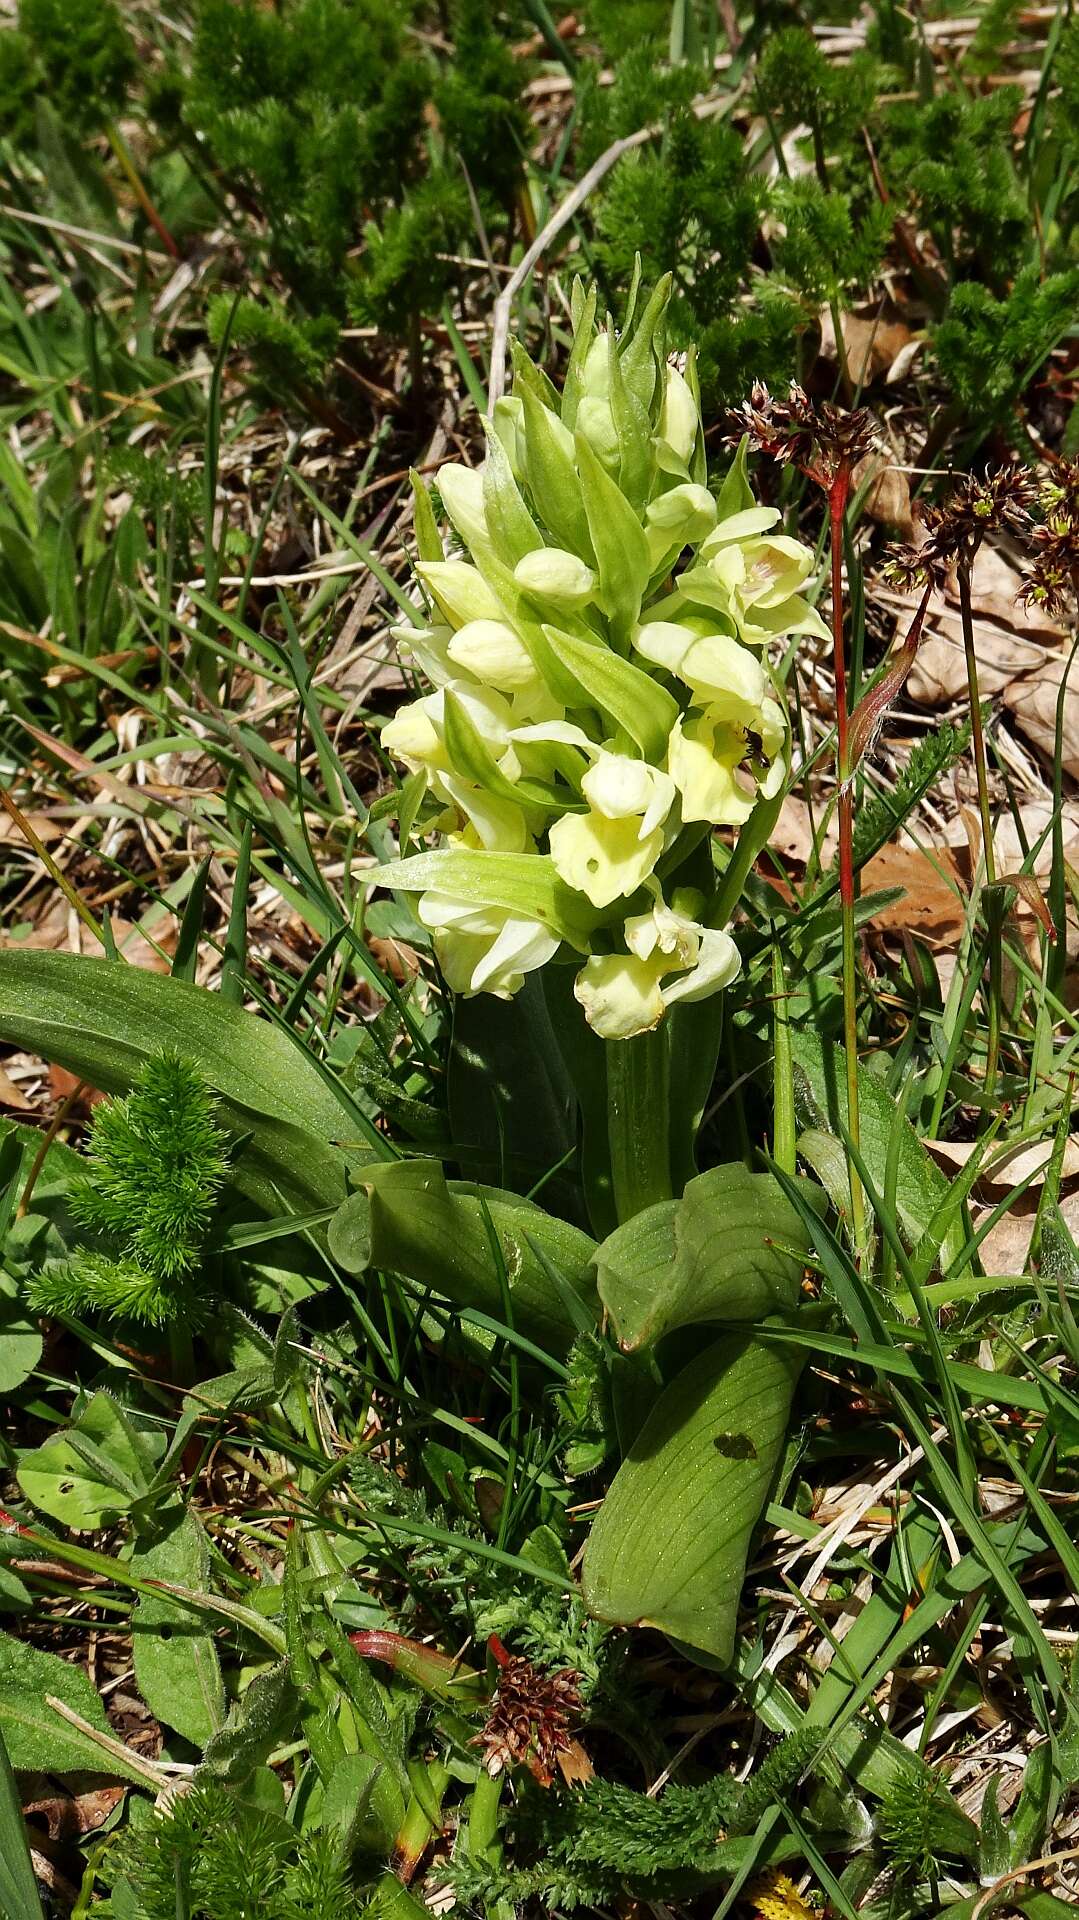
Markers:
point(78, 58)
point(211, 1856)
point(157, 1161)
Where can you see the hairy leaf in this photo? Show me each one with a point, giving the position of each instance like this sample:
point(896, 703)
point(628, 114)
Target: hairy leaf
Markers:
point(36, 1737)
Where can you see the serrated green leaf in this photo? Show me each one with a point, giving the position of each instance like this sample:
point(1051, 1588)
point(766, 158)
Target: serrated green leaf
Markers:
point(669, 1547)
point(716, 1254)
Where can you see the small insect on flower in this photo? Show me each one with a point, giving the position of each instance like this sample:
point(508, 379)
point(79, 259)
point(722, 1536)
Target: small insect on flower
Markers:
point(531, 1719)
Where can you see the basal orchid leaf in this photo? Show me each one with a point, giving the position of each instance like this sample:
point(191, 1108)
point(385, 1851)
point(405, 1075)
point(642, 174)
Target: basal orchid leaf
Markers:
point(670, 1545)
point(104, 1021)
point(719, 1253)
point(409, 1219)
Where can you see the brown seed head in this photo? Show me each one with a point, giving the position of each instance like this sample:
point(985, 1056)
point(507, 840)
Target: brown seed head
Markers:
point(821, 440)
point(531, 1717)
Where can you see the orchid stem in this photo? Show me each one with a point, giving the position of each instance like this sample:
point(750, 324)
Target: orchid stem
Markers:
point(837, 508)
point(638, 1121)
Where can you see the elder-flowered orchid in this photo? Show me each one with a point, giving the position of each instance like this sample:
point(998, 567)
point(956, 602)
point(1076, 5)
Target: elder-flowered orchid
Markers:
point(601, 685)
point(670, 957)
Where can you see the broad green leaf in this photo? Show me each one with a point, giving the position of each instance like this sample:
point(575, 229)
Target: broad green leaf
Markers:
point(176, 1663)
point(470, 755)
point(641, 347)
point(37, 1738)
point(91, 1474)
point(104, 1021)
point(512, 529)
point(716, 1254)
point(736, 494)
point(669, 1547)
point(553, 478)
point(408, 1219)
point(634, 429)
point(618, 539)
point(18, 1883)
point(820, 1089)
point(630, 698)
point(20, 1339)
point(513, 1115)
point(518, 883)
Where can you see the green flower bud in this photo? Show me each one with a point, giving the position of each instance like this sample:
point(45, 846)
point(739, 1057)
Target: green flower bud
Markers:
point(553, 574)
point(495, 653)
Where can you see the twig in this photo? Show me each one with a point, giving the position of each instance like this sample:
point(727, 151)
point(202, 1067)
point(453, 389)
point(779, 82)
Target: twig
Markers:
point(560, 218)
point(155, 1772)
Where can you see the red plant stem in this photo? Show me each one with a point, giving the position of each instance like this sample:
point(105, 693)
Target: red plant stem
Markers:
point(837, 510)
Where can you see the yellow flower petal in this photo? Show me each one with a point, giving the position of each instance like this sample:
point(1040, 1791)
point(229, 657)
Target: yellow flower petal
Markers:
point(620, 995)
point(603, 859)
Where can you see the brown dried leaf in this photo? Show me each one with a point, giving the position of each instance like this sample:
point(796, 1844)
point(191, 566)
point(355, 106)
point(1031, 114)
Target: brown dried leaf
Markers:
point(888, 498)
point(933, 904)
point(1006, 1165)
point(1006, 1246)
point(68, 1815)
point(871, 344)
point(12, 1095)
point(1033, 702)
point(792, 835)
point(48, 830)
point(1009, 638)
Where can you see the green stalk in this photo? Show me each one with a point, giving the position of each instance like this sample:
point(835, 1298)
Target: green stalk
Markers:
point(977, 737)
point(993, 917)
point(837, 509)
point(638, 1121)
point(784, 1130)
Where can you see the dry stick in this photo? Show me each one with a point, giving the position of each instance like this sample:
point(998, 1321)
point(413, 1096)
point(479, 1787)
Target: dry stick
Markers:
point(560, 218)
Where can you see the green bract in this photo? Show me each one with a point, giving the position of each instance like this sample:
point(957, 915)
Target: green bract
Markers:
point(595, 697)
